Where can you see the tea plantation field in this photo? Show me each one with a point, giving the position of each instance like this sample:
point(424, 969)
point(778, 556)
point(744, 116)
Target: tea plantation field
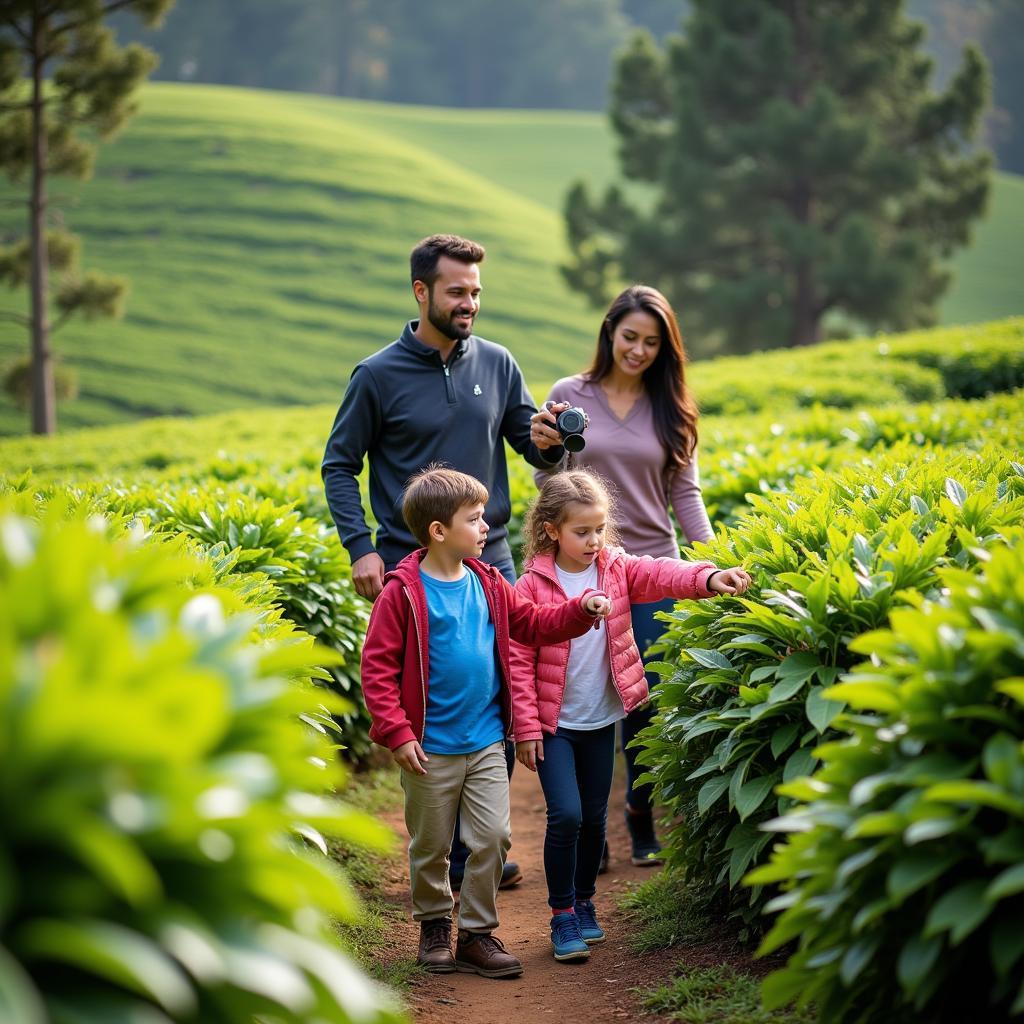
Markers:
point(840, 752)
point(266, 237)
point(267, 241)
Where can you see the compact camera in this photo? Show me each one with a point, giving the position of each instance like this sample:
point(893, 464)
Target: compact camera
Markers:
point(571, 423)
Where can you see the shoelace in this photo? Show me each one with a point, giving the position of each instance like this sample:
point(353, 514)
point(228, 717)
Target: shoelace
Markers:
point(566, 927)
point(437, 937)
point(491, 944)
point(586, 914)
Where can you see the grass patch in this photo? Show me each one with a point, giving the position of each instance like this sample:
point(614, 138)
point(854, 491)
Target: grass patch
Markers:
point(717, 995)
point(666, 912)
point(374, 791)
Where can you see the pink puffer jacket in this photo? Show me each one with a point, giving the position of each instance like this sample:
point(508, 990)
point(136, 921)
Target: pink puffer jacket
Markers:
point(538, 674)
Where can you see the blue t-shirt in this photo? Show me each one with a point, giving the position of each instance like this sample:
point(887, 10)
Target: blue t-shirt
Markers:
point(463, 712)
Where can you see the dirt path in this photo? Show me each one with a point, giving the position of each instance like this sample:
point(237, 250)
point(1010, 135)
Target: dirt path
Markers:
point(595, 990)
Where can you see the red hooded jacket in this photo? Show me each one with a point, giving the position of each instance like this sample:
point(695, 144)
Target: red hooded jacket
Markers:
point(395, 663)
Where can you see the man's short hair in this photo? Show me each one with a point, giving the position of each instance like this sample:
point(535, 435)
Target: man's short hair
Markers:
point(435, 494)
point(425, 257)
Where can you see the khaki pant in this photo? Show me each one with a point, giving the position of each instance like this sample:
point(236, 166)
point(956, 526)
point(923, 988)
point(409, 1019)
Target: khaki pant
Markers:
point(476, 784)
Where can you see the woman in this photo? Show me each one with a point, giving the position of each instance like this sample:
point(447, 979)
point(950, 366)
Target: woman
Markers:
point(642, 438)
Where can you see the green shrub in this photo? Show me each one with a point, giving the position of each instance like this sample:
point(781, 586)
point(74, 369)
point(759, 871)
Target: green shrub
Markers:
point(955, 362)
point(730, 476)
point(155, 779)
point(760, 454)
point(302, 557)
point(985, 359)
point(904, 874)
point(742, 705)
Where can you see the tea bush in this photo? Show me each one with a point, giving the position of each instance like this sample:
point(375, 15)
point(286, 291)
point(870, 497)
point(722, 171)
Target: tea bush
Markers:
point(162, 857)
point(980, 363)
point(743, 703)
point(303, 558)
point(904, 870)
point(764, 454)
point(954, 362)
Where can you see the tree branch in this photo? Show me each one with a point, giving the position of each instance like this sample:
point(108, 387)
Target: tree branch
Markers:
point(109, 9)
point(7, 108)
point(60, 322)
point(13, 22)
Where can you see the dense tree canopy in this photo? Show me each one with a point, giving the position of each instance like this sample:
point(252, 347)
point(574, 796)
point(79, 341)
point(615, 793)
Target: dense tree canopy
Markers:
point(801, 172)
point(463, 53)
point(505, 53)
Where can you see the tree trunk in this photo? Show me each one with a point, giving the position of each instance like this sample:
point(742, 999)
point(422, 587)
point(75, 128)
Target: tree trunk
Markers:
point(806, 319)
point(806, 322)
point(44, 405)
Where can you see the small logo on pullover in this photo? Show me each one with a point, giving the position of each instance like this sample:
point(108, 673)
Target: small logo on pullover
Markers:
point(476, 389)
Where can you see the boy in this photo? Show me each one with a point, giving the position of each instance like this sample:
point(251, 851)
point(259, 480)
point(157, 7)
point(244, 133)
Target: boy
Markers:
point(435, 674)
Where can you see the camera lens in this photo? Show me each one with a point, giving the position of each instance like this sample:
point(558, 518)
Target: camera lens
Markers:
point(571, 422)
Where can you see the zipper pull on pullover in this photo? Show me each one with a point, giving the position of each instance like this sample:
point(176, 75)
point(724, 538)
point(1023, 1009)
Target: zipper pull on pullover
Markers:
point(449, 387)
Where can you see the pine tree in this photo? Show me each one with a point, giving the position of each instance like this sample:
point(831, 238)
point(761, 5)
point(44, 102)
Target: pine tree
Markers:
point(61, 74)
point(797, 170)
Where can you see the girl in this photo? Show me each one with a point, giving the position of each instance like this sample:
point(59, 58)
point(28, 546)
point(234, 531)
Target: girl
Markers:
point(568, 696)
point(642, 438)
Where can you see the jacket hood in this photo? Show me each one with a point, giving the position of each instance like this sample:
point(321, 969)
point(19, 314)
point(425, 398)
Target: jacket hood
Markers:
point(408, 569)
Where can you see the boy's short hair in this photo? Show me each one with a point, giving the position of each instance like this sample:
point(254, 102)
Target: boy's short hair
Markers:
point(435, 494)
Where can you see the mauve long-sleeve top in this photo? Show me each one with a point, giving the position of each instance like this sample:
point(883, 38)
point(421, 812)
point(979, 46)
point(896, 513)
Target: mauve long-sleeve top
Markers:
point(628, 454)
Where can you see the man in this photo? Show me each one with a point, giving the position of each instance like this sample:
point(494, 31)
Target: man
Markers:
point(441, 394)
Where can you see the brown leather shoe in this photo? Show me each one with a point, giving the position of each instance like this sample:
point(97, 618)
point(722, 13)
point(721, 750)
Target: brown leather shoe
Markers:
point(484, 955)
point(435, 953)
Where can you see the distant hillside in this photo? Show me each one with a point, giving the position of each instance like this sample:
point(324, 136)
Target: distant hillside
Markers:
point(266, 236)
point(267, 243)
point(539, 153)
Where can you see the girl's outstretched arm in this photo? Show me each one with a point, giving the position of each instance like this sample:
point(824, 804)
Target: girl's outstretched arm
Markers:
point(652, 579)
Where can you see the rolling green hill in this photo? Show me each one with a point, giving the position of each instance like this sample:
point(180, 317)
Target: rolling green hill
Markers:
point(266, 236)
point(539, 153)
point(267, 244)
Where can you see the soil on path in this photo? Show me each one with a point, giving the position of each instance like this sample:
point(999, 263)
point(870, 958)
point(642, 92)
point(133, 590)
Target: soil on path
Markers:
point(569, 993)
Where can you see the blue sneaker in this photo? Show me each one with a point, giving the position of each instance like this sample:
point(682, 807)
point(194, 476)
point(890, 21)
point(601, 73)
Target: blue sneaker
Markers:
point(591, 931)
point(566, 938)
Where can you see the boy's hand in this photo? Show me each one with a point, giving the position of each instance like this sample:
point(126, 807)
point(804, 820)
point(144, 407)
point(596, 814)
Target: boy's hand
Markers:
point(598, 605)
point(729, 581)
point(409, 757)
point(529, 752)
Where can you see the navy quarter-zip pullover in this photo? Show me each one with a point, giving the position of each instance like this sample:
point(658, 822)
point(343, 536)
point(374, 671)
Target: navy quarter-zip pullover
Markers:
point(404, 408)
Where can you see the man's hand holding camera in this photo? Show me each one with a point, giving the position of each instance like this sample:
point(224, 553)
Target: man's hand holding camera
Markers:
point(558, 423)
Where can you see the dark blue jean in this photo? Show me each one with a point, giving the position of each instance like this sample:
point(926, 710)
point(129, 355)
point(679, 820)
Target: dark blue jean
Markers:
point(646, 629)
point(576, 776)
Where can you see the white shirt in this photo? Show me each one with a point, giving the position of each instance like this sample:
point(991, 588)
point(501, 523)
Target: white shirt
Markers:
point(590, 700)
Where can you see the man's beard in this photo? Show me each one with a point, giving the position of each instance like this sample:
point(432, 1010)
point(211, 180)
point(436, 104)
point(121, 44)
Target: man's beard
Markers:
point(445, 324)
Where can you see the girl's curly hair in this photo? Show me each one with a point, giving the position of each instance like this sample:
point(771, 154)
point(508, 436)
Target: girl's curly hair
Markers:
point(553, 504)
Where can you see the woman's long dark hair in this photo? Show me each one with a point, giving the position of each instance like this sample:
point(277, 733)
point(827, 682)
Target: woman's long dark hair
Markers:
point(675, 411)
